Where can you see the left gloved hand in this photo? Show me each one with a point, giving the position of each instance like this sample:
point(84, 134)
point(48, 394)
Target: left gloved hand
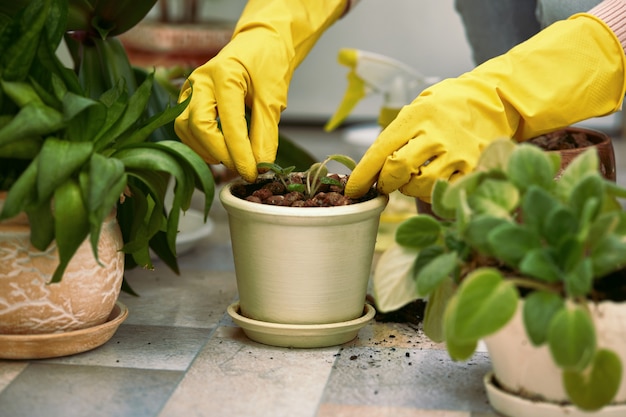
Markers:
point(570, 71)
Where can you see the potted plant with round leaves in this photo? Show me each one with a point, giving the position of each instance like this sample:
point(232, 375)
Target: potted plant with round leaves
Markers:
point(83, 184)
point(519, 259)
point(302, 265)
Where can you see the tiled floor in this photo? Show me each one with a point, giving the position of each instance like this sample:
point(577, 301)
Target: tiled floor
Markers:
point(179, 354)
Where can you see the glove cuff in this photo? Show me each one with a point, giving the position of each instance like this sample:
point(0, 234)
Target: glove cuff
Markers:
point(299, 24)
point(613, 13)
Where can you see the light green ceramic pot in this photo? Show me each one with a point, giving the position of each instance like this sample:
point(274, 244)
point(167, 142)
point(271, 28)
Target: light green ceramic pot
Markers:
point(302, 265)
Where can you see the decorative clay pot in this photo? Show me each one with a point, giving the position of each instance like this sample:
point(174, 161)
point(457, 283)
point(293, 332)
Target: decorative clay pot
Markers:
point(601, 141)
point(84, 298)
point(306, 268)
point(519, 367)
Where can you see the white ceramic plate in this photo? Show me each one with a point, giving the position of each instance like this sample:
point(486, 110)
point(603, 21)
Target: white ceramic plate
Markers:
point(513, 406)
point(301, 335)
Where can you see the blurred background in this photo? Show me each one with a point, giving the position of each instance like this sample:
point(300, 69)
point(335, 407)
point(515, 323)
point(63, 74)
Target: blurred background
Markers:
point(426, 35)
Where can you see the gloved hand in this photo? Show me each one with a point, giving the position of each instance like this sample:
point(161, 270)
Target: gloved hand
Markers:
point(254, 70)
point(571, 71)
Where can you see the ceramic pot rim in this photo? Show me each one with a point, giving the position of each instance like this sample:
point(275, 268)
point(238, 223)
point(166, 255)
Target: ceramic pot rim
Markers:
point(231, 201)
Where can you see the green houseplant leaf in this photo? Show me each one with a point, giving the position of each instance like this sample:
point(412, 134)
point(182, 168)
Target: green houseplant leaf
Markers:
point(418, 232)
point(58, 160)
point(33, 119)
point(481, 293)
point(71, 223)
point(529, 165)
point(435, 272)
point(393, 285)
point(539, 310)
point(594, 388)
point(571, 338)
point(435, 313)
point(102, 186)
point(494, 198)
point(511, 242)
point(580, 167)
point(70, 131)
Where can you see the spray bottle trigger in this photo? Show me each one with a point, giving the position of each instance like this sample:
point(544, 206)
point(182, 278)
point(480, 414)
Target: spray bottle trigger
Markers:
point(354, 93)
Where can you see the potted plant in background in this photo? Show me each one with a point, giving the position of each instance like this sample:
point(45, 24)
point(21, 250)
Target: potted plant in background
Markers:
point(179, 35)
point(84, 184)
point(569, 142)
point(302, 270)
point(532, 266)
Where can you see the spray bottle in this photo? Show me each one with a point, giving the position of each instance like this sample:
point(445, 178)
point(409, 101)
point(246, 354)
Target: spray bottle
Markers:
point(399, 84)
point(371, 73)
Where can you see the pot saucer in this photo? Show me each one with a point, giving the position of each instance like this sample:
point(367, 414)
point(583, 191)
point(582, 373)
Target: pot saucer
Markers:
point(301, 335)
point(514, 406)
point(52, 345)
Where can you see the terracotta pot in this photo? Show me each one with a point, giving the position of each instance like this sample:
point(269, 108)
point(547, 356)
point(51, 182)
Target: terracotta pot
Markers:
point(84, 298)
point(520, 367)
point(601, 141)
point(153, 43)
point(302, 265)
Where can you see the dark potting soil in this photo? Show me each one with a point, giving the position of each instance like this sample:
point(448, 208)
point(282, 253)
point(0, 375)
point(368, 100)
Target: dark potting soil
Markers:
point(273, 192)
point(412, 313)
point(560, 140)
point(611, 287)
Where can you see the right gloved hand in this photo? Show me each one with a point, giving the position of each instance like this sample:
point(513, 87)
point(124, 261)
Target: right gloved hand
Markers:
point(254, 69)
point(570, 71)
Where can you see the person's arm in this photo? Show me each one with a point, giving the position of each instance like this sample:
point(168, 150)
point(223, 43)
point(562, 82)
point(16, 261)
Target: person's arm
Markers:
point(571, 71)
point(492, 27)
point(550, 11)
point(253, 70)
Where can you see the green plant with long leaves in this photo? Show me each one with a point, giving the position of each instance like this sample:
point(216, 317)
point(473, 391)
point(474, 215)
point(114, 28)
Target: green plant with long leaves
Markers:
point(75, 142)
point(508, 231)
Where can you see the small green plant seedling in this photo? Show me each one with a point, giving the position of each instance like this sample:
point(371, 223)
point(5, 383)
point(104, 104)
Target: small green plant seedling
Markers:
point(316, 175)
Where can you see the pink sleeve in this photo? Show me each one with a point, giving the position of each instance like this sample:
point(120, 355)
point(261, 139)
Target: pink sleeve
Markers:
point(613, 13)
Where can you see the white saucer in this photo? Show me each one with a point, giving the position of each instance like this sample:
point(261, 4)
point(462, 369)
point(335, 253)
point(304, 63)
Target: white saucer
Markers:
point(301, 335)
point(513, 406)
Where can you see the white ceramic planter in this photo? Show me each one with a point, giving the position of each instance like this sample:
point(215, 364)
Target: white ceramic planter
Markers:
point(518, 366)
point(302, 265)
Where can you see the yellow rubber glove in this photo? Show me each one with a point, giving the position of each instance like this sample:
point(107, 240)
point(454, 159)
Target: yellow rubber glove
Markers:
point(571, 71)
point(254, 69)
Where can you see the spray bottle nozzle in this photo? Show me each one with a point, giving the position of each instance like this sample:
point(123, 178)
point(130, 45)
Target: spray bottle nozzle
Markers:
point(370, 72)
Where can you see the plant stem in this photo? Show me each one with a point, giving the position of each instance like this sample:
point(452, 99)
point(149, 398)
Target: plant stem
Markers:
point(535, 285)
